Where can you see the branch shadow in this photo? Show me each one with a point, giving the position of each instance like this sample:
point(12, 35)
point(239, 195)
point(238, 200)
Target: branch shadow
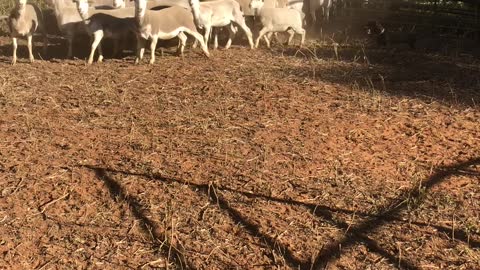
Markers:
point(333, 250)
point(208, 190)
point(320, 211)
point(148, 227)
point(326, 213)
point(254, 229)
point(353, 234)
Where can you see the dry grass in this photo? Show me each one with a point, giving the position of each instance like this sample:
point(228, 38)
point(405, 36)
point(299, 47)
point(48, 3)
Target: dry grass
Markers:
point(252, 159)
point(7, 5)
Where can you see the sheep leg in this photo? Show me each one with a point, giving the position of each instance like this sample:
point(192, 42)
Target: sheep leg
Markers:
point(275, 36)
point(268, 37)
point(291, 33)
point(326, 11)
point(240, 20)
point(199, 37)
point(97, 37)
point(262, 33)
point(30, 49)
point(153, 47)
point(206, 36)
point(300, 31)
point(231, 36)
point(215, 39)
point(302, 41)
point(313, 15)
point(182, 42)
point(268, 43)
point(140, 49)
point(14, 45)
point(70, 46)
point(179, 44)
point(100, 52)
point(257, 41)
point(247, 32)
point(142, 52)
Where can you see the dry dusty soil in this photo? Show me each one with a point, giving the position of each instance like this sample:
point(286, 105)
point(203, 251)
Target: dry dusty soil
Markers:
point(263, 159)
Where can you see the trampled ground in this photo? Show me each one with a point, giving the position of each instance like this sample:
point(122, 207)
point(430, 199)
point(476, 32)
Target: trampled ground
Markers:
point(261, 159)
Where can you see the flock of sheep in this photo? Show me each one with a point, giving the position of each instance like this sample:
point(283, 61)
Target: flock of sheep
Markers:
point(177, 19)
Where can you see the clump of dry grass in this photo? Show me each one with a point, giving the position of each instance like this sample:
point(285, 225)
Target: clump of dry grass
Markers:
point(7, 5)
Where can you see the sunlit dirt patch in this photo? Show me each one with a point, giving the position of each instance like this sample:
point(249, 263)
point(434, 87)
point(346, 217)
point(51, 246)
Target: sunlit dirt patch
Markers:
point(250, 159)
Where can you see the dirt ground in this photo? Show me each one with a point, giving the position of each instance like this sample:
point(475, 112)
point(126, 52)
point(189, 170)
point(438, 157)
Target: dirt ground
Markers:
point(263, 159)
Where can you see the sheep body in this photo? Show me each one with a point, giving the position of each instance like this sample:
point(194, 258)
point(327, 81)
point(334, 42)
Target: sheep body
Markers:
point(69, 21)
point(278, 20)
point(152, 4)
point(24, 20)
point(164, 24)
point(115, 23)
point(324, 5)
point(220, 13)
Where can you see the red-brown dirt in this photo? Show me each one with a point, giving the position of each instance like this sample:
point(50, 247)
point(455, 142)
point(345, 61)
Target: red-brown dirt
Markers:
point(252, 159)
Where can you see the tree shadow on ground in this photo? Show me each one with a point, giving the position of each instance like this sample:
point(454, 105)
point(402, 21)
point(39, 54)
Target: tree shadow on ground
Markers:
point(353, 234)
point(148, 227)
point(210, 191)
point(404, 73)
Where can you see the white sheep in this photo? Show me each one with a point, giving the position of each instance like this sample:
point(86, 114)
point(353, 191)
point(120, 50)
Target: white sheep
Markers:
point(69, 21)
point(165, 24)
point(152, 4)
point(292, 4)
point(115, 23)
point(220, 13)
point(278, 20)
point(324, 5)
point(24, 20)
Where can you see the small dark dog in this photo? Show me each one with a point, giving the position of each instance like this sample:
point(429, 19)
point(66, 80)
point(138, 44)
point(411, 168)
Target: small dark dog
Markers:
point(384, 38)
